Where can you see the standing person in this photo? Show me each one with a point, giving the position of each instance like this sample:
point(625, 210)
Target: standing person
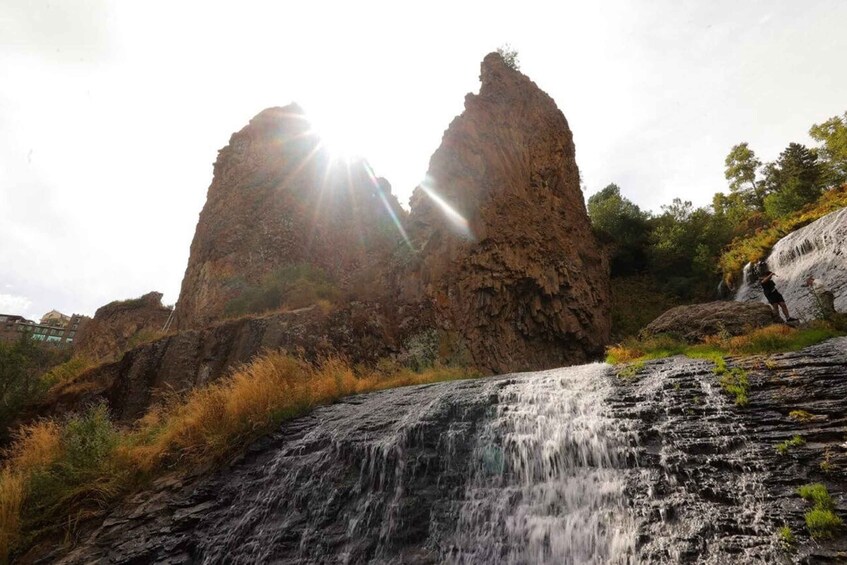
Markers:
point(775, 299)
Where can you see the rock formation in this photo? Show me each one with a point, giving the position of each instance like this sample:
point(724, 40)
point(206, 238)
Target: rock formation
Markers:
point(697, 321)
point(501, 256)
point(121, 325)
point(466, 471)
point(817, 250)
point(507, 256)
point(278, 199)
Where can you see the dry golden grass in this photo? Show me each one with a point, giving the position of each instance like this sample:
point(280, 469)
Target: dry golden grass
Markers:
point(181, 435)
point(212, 420)
point(12, 493)
point(36, 447)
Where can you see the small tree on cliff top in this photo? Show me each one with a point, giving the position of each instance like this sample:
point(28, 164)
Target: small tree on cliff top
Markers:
point(510, 56)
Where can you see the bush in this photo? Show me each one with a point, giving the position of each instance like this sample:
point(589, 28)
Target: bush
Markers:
point(21, 365)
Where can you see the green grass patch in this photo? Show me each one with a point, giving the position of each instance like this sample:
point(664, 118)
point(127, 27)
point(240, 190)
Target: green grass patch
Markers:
point(784, 447)
point(822, 523)
point(821, 520)
point(736, 383)
point(630, 370)
point(786, 536)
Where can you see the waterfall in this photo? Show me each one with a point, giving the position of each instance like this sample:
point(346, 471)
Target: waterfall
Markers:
point(546, 484)
point(818, 250)
point(567, 466)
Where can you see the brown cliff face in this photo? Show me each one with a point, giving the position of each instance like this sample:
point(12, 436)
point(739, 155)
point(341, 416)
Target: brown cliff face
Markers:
point(502, 257)
point(278, 200)
point(121, 325)
point(523, 280)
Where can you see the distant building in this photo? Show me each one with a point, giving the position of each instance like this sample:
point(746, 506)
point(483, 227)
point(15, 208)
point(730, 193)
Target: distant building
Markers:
point(55, 318)
point(60, 330)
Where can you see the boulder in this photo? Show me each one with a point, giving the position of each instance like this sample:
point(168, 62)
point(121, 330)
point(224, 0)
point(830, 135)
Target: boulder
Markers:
point(696, 321)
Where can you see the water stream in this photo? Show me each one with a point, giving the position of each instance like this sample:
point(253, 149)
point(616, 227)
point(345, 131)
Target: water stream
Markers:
point(818, 250)
point(567, 466)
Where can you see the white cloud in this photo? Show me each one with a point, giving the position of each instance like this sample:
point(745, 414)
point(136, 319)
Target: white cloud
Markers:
point(13, 304)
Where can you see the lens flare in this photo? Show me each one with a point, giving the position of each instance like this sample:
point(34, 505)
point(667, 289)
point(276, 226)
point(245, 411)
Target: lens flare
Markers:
point(458, 221)
point(387, 205)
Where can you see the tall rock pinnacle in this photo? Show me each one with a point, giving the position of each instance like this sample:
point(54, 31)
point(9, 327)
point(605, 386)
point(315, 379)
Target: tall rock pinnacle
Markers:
point(279, 199)
point(507, 256)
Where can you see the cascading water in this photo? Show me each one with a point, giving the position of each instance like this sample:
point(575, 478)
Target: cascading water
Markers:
point(546, 481)
point(818, 250)
point(568, 466)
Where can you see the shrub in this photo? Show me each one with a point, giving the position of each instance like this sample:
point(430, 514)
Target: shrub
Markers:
point(21, 364)
point(510, 56)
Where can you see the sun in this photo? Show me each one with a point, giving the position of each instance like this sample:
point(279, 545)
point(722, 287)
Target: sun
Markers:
point(340, 135)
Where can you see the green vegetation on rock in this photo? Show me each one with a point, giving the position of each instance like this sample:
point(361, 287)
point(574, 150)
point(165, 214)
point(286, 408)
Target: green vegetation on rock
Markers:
point(290, 287)
point(784, 447)
point(821, 520)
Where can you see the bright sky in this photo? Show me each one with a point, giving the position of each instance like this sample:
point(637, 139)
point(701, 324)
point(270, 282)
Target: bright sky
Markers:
point(112, 112)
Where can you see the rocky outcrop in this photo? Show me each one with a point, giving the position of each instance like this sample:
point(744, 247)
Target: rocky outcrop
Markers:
point(500, 249)
point(660, 468)
point(279, 198)
point(817, 250)
point(121, 325)
point(507, 257)
point(359, 332)
point(697, 321)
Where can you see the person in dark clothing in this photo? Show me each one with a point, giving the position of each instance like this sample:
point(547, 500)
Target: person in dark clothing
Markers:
point(775, 299)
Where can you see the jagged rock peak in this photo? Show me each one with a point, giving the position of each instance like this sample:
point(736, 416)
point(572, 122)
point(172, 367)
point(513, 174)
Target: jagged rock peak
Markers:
point(507, 255)
point(278, 199)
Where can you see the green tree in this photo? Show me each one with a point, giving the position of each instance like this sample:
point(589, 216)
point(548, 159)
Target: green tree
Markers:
point(794, 180)
point(833, 135)
point(623, 225)
point(741, 168)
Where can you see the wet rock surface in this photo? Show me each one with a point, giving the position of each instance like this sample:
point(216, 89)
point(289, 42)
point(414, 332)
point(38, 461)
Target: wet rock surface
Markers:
point(569, 465)
point(818, 250)
point(697, 321)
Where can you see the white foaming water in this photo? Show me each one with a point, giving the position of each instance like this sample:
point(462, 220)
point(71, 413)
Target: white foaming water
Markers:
point(548, 483)
point(819, 250)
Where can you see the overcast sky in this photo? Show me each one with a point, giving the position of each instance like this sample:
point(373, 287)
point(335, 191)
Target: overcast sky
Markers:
point(112, 112)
